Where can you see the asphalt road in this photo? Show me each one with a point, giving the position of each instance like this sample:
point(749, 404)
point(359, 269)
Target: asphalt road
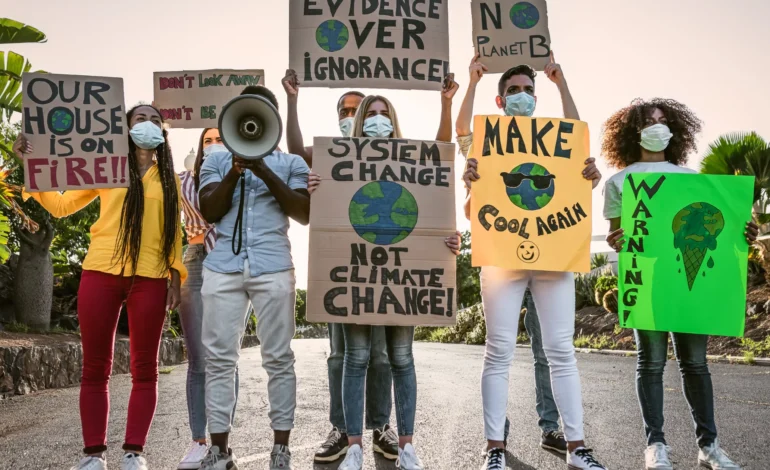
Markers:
point(42, 431)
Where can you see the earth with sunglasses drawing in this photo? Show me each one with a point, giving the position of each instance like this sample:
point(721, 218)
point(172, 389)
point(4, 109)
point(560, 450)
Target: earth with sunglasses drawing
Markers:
point(529, 186)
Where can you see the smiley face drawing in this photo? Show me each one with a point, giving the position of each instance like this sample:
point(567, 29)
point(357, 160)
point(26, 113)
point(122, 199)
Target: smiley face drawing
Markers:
point(528, 252)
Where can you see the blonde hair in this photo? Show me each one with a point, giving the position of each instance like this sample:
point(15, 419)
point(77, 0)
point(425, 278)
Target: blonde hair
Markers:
point(363, 108)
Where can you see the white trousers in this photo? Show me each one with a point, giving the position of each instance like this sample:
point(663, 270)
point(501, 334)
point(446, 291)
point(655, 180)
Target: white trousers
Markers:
point(225, 306)
point(502, 292)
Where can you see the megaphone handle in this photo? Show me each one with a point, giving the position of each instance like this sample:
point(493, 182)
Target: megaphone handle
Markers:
point(238, 230)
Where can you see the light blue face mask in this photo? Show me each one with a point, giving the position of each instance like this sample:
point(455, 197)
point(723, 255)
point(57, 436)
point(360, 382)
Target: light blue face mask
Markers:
point(346, 126)
point(520, 104)
point(146, 135)
point(214, 148)
point(378, 126)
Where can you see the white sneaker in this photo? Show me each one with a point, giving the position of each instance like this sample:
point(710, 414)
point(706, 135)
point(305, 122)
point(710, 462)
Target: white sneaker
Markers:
point(280, 458)
point(583, 459)
point(407, 459)
point(354, 460)
point(495, 460)
point(193, 457)
point(715, 458)
point(656, 457)
point(133, 462)
point(91, 463)
point(216, 460)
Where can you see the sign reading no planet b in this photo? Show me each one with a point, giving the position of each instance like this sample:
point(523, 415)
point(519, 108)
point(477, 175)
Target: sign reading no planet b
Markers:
point(400, 44)
point(77, 126)
point(684, 262)
point(531, 209)
point(507, 33)
point(193, 99)
point(377, 227)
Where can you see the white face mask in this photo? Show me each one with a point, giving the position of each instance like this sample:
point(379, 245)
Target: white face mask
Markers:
point(378, 126)
point(655, 138)
point(146, 135)
point(214, 148)
point(346, 126)
point(520, 104)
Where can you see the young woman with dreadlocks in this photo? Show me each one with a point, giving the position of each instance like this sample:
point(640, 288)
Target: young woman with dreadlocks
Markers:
point(657, 136)
point(135, 256)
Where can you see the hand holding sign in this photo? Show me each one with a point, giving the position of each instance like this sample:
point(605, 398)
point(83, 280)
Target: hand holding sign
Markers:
point(616, 239)
point(592, 173)
point(450, 87)
point(291, 83)
point(553, 71)
point(22, 146)
point(471, 174)
point(477, 69)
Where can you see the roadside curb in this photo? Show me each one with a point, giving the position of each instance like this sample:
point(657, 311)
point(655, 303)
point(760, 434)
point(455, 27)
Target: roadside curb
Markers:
point(760, 361)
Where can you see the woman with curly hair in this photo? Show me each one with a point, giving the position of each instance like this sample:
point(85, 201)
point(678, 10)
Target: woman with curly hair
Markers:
point(135, 256)
point(657, 136)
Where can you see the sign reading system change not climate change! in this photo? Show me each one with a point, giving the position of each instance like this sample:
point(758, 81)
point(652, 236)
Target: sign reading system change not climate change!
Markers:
point(77, 126)
point(377, 230)
point(684, 263)
point(369, 43)
point(531, 209)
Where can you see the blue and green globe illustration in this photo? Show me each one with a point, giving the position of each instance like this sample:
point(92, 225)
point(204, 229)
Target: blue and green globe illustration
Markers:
point(524, 15)
point(60, 120)
point(383, 212)
point(332, 35)
point(529, 186)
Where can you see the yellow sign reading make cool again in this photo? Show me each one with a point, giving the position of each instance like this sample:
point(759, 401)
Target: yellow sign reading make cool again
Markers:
point(531, 209)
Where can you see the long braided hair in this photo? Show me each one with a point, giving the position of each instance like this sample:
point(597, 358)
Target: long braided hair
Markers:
point(130, 232)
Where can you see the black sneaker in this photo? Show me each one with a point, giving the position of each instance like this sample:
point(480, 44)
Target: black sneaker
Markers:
point(495, 460)
point(336, 446)
point(385, 442)
point(554, 441)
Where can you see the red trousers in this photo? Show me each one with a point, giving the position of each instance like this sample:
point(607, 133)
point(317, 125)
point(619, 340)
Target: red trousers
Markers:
point(100, 298)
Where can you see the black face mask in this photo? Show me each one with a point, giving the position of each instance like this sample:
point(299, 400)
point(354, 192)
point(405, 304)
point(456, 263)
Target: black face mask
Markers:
point(514, 180)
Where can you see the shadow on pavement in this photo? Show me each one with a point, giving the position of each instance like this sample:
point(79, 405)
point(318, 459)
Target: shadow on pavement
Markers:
point(512, 462)
point(380, 463)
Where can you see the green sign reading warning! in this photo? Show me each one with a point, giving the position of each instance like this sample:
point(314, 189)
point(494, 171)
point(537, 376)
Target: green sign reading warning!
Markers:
point(684, 264)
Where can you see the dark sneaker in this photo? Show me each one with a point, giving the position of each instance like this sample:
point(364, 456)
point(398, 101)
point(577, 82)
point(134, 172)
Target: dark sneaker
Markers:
point(335, 446)
point(385, 442)
point(554, 441)
point(495, 460)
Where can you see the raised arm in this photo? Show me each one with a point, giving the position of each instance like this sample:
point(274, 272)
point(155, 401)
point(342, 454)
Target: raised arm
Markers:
point(465, 117)
point(447, 94)
point(293, 132)
point(554, 72)
point(63, 204)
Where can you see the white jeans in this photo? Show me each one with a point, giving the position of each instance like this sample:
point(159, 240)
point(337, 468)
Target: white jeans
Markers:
point(502, 292)
point(225, 306)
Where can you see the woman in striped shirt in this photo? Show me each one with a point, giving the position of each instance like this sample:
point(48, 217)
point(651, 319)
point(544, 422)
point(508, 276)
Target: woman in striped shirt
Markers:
point(201, 238)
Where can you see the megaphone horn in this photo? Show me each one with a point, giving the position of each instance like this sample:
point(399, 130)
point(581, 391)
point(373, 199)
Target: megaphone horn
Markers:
point(250, 127)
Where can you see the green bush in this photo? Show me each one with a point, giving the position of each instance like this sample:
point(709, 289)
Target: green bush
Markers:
point(603, 285)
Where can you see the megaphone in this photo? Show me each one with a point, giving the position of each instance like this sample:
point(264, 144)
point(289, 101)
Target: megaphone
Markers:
point(250, 127)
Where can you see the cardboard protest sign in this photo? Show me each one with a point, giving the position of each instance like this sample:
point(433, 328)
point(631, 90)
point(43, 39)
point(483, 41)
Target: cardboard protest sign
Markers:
point(531, 209)
point(192, 99)
point(77, 126)
point(507, 33)
point(684, 263)
point(400, 44)
point(377, 227)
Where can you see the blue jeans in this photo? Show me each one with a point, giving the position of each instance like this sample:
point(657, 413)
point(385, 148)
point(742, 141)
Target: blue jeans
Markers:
point(379, 380)
point(358, 346)
point(690, 352)
point(544, 402)
point(191, 317)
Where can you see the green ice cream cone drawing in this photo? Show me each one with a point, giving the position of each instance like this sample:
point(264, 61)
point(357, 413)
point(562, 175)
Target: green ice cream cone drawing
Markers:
point(696, 228)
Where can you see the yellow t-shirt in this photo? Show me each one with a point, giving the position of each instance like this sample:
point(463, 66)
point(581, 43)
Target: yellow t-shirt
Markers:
point(104, 232)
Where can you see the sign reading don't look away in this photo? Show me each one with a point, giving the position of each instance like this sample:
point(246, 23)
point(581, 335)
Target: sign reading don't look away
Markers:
point(377, 227)
point(370, 43)
point(77, 126)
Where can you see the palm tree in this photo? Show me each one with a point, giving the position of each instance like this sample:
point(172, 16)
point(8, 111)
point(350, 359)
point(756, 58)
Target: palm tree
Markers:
point(746, 154)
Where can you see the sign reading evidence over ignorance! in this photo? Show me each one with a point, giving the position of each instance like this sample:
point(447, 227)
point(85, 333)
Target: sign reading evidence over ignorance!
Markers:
point(377, 228)
point(193, 99)
point(369, 43)
point(531, 209)
point(77, 126)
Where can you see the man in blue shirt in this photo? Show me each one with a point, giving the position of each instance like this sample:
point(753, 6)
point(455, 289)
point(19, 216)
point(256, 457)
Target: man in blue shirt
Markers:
point(258, 268)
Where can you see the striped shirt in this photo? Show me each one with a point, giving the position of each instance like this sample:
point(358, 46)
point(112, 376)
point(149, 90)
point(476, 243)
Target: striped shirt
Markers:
point(194, 223)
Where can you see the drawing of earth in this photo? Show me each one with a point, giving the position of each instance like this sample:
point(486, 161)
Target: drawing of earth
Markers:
point(529, 186)
point(383, 212)
point(524, 15)
point(332, 35)
point(60, 120)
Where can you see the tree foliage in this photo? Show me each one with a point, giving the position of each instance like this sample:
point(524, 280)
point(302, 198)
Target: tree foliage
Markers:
point(468, 282)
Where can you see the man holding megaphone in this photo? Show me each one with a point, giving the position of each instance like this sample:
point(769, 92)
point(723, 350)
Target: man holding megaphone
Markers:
point(249, 190)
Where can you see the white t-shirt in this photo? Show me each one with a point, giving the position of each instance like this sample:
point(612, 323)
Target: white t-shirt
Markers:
point(613, 188)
